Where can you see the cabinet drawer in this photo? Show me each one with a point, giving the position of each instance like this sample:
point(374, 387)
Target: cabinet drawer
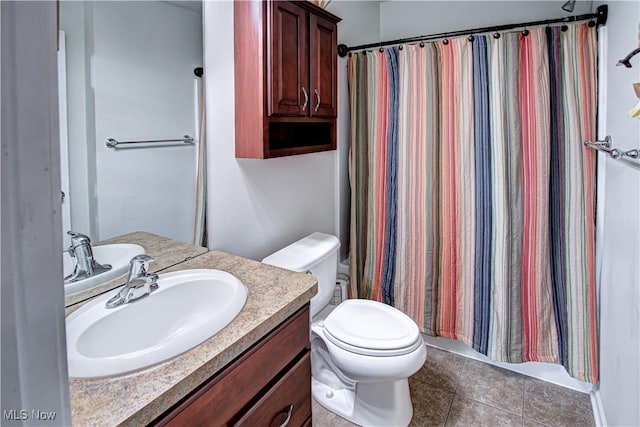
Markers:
point(222, 398)
point(288, 402)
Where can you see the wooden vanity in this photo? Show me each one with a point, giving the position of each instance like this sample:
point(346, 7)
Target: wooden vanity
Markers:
point(255, 371)
point(269, 384)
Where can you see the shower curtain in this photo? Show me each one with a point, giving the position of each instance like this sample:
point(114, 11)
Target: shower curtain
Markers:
point(472, 195)
point(200, 220)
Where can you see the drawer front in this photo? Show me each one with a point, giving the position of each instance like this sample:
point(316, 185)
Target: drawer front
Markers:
point(287, 403)
point(219, 400)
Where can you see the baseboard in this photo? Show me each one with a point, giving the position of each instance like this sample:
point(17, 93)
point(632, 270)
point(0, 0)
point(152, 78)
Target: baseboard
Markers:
point(598, 409)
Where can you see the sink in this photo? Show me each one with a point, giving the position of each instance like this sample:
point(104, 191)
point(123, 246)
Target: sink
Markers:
point(189, 307)
point(118, 255)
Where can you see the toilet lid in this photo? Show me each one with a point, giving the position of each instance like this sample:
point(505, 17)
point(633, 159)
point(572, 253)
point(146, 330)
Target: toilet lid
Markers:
point(370, 325)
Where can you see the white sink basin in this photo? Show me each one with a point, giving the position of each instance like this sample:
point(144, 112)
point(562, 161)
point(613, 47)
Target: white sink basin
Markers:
point(118, 255)
point(189, 307)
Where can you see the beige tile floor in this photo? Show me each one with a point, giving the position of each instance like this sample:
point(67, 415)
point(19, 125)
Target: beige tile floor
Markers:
point(452, 390)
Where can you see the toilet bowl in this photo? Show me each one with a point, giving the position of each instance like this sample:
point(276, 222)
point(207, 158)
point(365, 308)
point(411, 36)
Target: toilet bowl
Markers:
point(362, 351)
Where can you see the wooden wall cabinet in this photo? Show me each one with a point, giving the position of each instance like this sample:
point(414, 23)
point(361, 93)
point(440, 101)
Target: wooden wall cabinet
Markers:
point(269, 384)
point(285, 78)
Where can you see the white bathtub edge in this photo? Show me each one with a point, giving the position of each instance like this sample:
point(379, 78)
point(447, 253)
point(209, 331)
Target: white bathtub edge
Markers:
point(598, 409)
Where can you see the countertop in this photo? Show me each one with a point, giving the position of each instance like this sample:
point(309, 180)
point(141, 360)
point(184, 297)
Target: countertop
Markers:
point(140, 397)
point(165, 252)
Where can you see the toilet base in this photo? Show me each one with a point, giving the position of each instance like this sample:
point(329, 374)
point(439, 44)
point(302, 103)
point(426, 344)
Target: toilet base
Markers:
point(371, 404)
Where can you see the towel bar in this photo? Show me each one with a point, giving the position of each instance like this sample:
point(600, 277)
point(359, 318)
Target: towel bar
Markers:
point(113, 143)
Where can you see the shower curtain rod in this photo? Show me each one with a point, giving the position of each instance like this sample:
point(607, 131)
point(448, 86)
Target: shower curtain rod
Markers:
point(600, 19)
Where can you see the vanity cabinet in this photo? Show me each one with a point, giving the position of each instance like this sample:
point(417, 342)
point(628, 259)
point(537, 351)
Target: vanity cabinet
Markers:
point(285, 78)
point(270, 384)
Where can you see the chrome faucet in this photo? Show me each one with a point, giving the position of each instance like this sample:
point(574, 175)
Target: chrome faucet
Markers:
point(82, 254)
point(139, 282)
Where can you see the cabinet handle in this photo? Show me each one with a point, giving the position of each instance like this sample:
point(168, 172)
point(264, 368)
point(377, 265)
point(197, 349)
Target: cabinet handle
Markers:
point(306, 99)
point(318, 95)
point(286, 413)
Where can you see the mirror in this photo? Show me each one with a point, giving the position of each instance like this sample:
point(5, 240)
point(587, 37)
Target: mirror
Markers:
point(126, 71)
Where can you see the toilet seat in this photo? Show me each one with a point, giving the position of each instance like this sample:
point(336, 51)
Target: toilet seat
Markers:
point(373, 352)
point(371, 328)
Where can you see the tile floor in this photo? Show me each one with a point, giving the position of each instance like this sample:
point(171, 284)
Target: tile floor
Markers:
point(453, 390)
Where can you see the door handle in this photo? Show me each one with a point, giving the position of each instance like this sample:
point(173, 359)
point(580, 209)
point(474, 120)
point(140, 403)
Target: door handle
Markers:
point(306, 99)
point(318, 95)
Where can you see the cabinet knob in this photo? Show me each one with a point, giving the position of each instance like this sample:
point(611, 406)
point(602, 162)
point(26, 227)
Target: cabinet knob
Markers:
point(306, 98)
point(318, 95)
point(282, 418)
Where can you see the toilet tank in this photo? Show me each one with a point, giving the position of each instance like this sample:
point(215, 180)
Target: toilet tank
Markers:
point(316, 254)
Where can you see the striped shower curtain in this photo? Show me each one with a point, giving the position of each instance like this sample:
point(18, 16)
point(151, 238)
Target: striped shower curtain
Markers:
point(472, 195)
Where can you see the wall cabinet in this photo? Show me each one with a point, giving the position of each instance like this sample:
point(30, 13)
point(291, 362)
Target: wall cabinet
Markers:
point(270, 384)
point(285, 78)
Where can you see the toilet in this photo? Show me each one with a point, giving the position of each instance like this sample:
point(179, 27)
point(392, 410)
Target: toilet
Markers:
point(362, 352)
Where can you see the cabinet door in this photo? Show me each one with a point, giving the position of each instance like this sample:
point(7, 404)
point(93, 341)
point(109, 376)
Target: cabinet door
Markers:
point(223, 396)
point(323, 45)
point(287, 402)
point(288, 60)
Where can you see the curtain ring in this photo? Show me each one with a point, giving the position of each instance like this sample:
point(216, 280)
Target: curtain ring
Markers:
point(445, 41)
point(496, 35)
point(471, 38)
point(564, 28)
point(591, 24)
point(421, 44)
point(400, 47)
point(525, 32)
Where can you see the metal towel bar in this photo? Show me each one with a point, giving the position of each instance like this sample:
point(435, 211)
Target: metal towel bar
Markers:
point(113, 143)
point(615, 153)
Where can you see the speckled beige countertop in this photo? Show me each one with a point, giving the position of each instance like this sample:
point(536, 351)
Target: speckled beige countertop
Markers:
point(140, 397)
point(165, 252)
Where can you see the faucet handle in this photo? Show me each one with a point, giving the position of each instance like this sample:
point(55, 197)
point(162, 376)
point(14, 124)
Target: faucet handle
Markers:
point(139, 283)
point(78, 238)
point(139, 265)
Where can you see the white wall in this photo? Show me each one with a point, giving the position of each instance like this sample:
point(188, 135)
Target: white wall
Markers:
point(80, 123)
point(142, 66)
point(619, 226)
point(400, 19)
point(255, 207)
point(132, 77)
point(34, 363)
